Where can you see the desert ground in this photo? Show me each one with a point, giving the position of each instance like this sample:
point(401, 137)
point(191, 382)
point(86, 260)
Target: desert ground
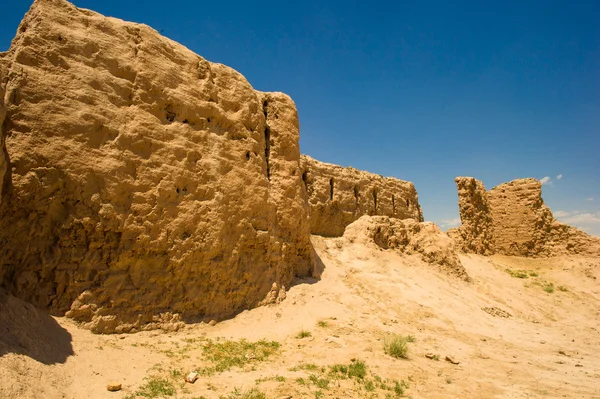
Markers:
point(521, 328)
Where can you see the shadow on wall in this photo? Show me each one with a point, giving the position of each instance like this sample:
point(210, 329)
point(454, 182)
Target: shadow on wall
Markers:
point(316, 274)
point(27, 331)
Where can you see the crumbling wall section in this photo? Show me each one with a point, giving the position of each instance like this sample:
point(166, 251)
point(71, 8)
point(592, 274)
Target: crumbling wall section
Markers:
point(410, 237)
point(4, 162)
point(338, 196)
point(145, 189)
point(512, 219)
point(476, 235)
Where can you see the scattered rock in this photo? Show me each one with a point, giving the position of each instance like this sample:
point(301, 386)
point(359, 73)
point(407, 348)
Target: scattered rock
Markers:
point(113, 387)
point(212, 323)
point(191, 377)
point(496, 312)
point(429, 355)
point(452, 360)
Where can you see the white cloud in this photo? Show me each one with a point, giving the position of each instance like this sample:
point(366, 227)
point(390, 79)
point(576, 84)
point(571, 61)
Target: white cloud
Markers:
point(449, 223)
point(546, 180)
point(558, 177)
point(589, 199)
point(584, 220)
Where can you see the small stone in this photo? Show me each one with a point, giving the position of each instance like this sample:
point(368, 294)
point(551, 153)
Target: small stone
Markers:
point(212, 323)
point(429, 355)
point(113, 387)
point(452, 360)
point(191, 377)
point(285, 397)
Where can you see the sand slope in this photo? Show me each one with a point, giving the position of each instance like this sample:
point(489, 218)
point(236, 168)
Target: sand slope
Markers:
point(546, 348)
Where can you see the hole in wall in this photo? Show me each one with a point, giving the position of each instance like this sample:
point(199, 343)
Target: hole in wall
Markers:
point(331, 189)
point(305, 179)
point(268, 150)
point(375, 199)
point(170, 113)
point(247, 155)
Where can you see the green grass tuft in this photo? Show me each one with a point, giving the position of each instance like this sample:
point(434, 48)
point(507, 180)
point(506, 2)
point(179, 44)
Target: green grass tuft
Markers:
point(549, 288)
point(254, 393)
point(156, 387)
point(227, 354)
point(304, 334)
point(397, 345)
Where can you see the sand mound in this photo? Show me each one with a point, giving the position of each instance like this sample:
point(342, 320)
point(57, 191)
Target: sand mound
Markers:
point(28, 331)
point(408, 236)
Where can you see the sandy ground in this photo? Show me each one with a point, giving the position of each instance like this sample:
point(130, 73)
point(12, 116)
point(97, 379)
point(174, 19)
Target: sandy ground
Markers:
point(528, 344)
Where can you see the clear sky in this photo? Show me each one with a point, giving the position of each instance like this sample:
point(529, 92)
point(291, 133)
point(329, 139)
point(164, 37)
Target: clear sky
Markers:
point(420, 90)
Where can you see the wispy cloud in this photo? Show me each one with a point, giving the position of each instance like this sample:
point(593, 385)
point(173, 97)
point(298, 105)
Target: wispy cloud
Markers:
point(546, 181)
point(449, 223)
point(558, 177)
point(589, 199)
point(584, 220)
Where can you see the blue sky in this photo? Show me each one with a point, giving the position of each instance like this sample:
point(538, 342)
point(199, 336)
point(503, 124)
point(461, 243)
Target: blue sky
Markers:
point(422, 90)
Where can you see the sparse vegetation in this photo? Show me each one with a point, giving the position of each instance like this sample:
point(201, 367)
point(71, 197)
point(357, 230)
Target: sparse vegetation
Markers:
point(357, 370)
point(304, 334)
point(307, 366)
point(549, 288)
point(228, 354)
point(155, 387)
point(319, 382)
point(397, 345)
point(519, 273)
point(322, 323)
point(562, 288)
point(254, 393)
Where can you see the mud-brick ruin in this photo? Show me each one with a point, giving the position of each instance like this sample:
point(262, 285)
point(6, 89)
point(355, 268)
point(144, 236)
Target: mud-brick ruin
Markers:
point(144, 186)
point(148, 186)
point(512, 219)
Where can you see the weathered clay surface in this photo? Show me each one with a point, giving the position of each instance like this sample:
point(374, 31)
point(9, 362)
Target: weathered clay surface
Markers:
point(3, 154)
point(148, 185)
point(410, 237)
point(476, 235)
point(513, 220)
point(338, 196)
